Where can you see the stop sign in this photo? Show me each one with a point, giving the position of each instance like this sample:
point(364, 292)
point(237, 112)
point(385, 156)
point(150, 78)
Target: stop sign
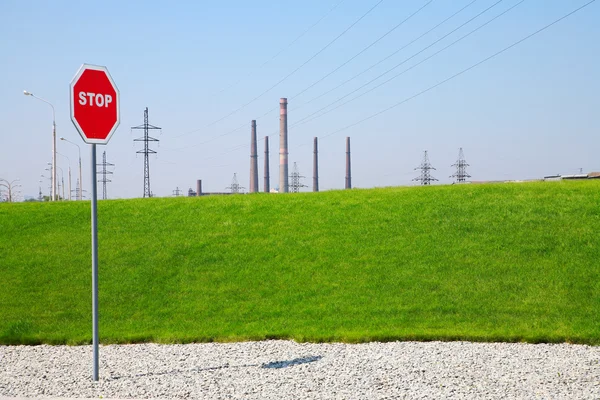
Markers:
point(94, 104)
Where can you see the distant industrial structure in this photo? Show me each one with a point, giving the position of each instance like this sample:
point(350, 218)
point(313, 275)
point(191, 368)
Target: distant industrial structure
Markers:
point(253, 159)
point(235, 186)
point(283, 146)
point(316, 166)
point(103, 172)
point(146, 150)
point(425, 178)
point(348, 184)
point(267, 184)
point(296, 180)
point(461, 165)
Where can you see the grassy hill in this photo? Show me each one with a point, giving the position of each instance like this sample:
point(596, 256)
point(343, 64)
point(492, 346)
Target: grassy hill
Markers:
point(505, 262)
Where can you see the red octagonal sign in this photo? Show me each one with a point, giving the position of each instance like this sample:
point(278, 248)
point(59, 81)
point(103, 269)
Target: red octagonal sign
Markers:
point(94, 104)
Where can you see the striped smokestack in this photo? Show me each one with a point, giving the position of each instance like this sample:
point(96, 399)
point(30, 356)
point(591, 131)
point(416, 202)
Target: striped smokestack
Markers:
point(283, 146)
point(253, 159)
point(267, 176)
point(348, 171)
point(316, 167)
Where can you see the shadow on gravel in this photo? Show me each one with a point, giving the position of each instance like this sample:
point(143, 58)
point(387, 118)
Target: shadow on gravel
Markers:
point(271, 365)
point(291, 363)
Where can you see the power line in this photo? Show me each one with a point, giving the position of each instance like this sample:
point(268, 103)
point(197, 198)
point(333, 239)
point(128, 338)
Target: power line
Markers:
point(284, 48)
point(387, 57)
point(461, 72)
point(366, 48)
point(332, 72)
point(299, 67)
point(440, 83)
point(308, 117)
point(357, 75)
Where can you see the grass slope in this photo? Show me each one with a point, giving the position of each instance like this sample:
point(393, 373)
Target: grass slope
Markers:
point(507, 262)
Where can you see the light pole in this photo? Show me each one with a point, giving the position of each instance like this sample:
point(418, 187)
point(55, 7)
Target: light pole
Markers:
point(26, 93)
point(69, 161)
point(80, 179)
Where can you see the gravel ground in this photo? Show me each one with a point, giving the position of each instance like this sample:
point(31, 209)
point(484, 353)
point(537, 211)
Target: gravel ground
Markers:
point(289, 370)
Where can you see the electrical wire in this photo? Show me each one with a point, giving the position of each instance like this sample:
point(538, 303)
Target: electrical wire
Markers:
point(461, 72)
point(306, 118)
point(386, 58)
point(335, 70)
point(322, 78)
point(297, 68)
point(440, 83)
point(365, 49)
point(282, 50)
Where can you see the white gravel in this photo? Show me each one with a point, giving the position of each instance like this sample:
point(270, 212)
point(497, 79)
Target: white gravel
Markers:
point(289, 370)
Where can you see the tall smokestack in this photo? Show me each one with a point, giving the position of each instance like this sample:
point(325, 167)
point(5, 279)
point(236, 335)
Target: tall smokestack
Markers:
point(348, 171)
point(283, 146)
point(199, 187)
point(267, 176)
point(253, 160)
point(316, 167)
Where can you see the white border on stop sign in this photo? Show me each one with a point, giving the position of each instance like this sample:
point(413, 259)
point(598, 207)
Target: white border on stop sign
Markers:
point(72, 100)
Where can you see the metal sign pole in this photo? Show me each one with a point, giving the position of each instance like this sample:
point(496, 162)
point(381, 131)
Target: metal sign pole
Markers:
point(94, 263)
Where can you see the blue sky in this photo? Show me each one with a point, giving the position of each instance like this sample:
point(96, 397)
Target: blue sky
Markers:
point(531, 111)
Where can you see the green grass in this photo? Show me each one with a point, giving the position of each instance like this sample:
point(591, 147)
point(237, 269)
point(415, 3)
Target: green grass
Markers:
point(505, 262)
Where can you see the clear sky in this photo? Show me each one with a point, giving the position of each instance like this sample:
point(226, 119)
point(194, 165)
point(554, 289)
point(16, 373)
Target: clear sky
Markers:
point(529, 112)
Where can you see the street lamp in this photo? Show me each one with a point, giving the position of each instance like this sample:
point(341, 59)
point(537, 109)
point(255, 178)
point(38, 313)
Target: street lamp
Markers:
point(26, 93)
point(80, 179)
point(69, 161)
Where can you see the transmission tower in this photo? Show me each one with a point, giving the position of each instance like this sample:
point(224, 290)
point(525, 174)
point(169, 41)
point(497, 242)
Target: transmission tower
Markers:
point(177, 192)
point(147, 150)
point(104, 172)
point(235, 186)
point(425, 168)
point(461, 168)
point(295, 183)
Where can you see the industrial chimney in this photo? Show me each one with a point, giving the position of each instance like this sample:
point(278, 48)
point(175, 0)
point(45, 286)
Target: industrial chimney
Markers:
point(283, 146)
point(199, 187)
point(348, 171)
point(253, 159)
point(316, 167)
point(267, 176)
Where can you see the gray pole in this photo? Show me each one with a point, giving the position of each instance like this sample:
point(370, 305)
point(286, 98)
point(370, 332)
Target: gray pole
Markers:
point(348, 171)
point(94, 263)
point(80, 180)
point(54, 156)
point(267, 176)
point(316, 167)
point(69, 183)
point(253, 159)
point(283, 146)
